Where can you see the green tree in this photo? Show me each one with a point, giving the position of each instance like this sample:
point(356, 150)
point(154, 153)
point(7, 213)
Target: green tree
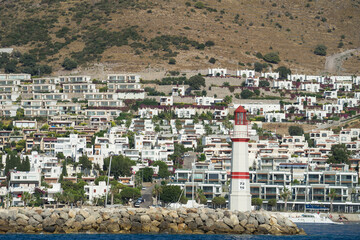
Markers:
point(69, 64)
point(272, 57)
point(285, 195)
point(339, 154)
point(246, 93)
point(200, 197)
point(170, 194)
point(332, 195)
point(218, 201)
point(283, 72)
point(120, 166)
point(258, 67)
point(20, 145)
point(256, 202)
point(195, 82)
point(163, 169)
point(86, 164)
point(102, 178)
point(130, 193)
point(295, 131)
point(26, 198)
point(60, 155)
point(272, 203)
point(44, 127)
point(264, 83)
point(26, 164)
point(157, 190)
point(147, 174)
point(64, 170)
point(320, 50)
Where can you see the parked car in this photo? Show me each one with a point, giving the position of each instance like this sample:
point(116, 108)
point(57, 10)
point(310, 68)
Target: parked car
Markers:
point(137, 204)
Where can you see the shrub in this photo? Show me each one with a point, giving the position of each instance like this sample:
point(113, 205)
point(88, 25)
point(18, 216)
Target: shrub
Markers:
point(69, 64)
point(212, 60)
point(283, 72)
point(272, 57)
point(296, 131)
point(172, 61)
point(199, 5)
point(209, 43)
point(264, 83)
point(246, 94)
point(320, 50)
point(258, 67)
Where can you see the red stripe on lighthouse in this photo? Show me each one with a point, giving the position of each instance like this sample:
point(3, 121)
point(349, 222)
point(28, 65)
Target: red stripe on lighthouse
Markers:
point(240, 139)
point(240, 175)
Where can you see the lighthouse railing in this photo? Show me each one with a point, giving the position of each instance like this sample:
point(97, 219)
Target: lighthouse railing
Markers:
point(239, 134)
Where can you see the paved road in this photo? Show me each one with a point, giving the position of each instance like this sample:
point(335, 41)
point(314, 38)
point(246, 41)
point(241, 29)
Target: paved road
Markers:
point(147, 195)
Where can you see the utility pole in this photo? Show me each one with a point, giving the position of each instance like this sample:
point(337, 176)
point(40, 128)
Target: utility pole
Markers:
point(192, 190)
point(107, 185)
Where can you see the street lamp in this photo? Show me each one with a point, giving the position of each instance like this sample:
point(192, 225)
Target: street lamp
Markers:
point(107, 185)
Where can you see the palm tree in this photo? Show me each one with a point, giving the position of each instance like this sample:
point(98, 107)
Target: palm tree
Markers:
point(157, 190)
point(200, 197)
point(8, 200)
point(57, 198)
point(332, 195)
point(26, 198)
point(114, 188)
point(285, 195)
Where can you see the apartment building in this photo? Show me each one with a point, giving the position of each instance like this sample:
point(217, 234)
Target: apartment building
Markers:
point(21, 182)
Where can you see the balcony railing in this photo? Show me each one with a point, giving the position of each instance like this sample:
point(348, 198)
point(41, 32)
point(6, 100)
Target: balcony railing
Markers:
point(239, 134)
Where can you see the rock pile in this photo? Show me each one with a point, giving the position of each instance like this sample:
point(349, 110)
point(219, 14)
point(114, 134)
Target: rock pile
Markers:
point(140, 220)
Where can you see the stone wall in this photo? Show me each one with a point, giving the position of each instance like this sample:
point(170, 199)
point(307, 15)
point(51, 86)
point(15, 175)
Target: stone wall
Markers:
point(140, 220)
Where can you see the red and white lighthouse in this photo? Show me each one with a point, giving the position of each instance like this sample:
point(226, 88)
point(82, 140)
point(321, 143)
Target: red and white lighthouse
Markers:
point(240, 198)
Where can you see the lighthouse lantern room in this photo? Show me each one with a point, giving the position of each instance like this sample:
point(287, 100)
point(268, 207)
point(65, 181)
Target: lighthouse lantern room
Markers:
point(240, 198)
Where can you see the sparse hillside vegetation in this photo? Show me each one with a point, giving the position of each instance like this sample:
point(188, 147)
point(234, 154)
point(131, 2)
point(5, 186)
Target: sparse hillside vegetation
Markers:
point(134, 34)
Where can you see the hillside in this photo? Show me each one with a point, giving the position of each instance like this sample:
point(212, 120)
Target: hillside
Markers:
point(138, 35)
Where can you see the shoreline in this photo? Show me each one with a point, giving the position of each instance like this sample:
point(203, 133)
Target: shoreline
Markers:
point(146, 221)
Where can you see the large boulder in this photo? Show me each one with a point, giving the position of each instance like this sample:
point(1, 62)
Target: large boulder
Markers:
point(145, 219)
point(84, 213)
point(113, 227)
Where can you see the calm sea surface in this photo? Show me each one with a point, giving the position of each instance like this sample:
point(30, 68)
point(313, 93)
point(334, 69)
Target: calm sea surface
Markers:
point(346, 231)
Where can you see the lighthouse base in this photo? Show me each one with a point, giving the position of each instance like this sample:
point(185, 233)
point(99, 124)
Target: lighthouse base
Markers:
point(240, 202)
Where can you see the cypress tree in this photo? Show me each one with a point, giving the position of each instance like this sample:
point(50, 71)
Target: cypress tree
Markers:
point(64, 171)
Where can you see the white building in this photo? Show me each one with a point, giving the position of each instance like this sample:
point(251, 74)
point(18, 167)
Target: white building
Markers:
point(259, 108)
point(245, 73)
point(331, 94)
point(178, 91)
point(166, 101)
point(252, 82)
point(21, 182)
point(295, 77)
point(343, 86)
point(72, 146)
point(282, 84)
point(318, 114)
point(333, 108)
point(274, 117)
point(310, 87)
point(273, 75)
point(220, 72)
point(93, 191)
point(350, 102)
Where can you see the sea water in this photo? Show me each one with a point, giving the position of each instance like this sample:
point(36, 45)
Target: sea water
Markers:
point(349, 231)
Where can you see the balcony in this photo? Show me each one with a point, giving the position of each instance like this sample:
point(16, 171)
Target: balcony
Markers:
point(239, 134)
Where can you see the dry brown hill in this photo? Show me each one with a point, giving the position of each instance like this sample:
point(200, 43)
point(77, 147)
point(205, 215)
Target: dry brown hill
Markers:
point(133, 35)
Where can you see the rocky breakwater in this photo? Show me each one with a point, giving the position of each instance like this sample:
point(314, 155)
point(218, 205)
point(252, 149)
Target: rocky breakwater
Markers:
point(138, 220)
